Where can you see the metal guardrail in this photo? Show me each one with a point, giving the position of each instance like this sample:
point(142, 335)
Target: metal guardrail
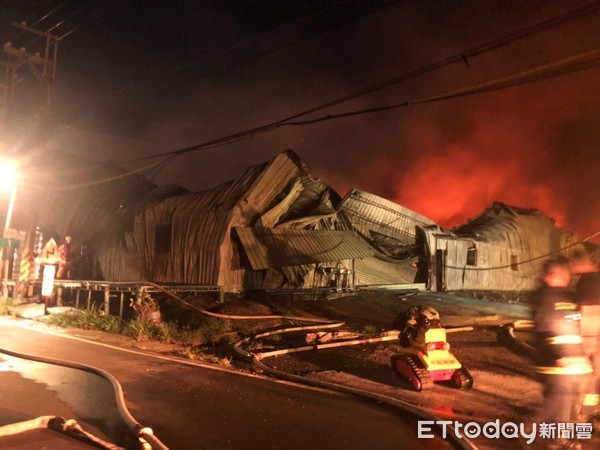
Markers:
point(121, 286)
point(112, 290)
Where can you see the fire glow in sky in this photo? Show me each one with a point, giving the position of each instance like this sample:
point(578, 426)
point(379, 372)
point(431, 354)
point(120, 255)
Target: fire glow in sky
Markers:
point(514, 155)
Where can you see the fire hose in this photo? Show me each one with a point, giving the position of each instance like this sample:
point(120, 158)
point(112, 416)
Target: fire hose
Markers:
point(322, 324)
point(145, 434)
point(68, 427)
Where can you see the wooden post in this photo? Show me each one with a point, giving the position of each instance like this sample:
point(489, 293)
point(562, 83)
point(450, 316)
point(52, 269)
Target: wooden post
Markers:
point(121, 298)
point(77, 297)
point(59, 296)
point(106, 301)
point(89, 298)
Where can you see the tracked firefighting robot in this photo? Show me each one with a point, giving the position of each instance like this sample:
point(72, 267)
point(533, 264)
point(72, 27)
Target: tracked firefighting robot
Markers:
point(426, 356)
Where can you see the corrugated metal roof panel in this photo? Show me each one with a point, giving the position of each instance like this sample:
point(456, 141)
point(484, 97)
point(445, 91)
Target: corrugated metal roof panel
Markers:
point(372, 215)
point(274, 248)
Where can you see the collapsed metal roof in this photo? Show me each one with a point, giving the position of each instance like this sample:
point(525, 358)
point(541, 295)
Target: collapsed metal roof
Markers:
point(500, 218)
point(280, 247)
point(284, 220)
point(391, 228)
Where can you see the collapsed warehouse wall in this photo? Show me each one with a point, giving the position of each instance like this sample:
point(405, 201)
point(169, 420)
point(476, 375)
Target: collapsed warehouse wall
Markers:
point(502, 249)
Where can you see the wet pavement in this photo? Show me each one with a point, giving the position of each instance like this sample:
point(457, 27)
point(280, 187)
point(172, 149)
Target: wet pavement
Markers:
point(192, 407)
point(31, 389)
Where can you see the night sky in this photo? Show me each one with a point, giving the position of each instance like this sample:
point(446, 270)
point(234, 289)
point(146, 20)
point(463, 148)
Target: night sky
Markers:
point(137, 78)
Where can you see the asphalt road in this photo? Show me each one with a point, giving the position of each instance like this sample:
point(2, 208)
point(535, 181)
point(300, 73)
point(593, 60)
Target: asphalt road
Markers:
point(192, 407)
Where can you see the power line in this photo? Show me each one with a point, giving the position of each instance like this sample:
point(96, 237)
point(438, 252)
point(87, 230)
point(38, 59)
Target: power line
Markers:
point(70, 187)
point(537, 258)
point(231, 48)
point(80, 7)
point(277, 48)
point(579, 62)
point(476, 51)
point(523, 77)
point(45, 16)
point(465, 56)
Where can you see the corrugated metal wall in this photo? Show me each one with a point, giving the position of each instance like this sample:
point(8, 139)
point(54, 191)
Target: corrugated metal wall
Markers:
point(281, 247)
point(511, 245)
point(374, 271)
point(493, 270)
point(200, 250)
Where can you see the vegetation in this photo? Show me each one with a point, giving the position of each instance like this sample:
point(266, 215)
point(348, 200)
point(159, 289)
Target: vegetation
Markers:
point(5, 304)
point(88, 319)
point(145, 307)
point(370, 331)
point(211, 331)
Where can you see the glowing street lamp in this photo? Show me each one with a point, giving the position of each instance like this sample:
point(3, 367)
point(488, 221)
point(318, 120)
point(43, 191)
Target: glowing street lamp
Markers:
point(8, 175)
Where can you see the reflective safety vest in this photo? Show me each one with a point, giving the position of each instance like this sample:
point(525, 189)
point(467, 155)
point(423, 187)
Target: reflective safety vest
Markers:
point(571, 365)
point(591, 400)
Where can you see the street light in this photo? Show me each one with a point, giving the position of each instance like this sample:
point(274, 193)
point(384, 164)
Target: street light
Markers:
point(8, 175)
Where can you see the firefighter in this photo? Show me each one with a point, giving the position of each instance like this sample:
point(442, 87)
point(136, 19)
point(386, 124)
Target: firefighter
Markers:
point(588, 297)
point(68, 254)
point(560, 356)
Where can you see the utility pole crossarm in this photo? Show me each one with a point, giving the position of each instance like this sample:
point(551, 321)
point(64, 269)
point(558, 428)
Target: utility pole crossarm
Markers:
point(23, 26)
point(22, 54)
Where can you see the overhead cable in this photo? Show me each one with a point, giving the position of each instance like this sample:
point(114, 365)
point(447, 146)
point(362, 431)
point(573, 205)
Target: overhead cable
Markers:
point(251, 57)
point(579, 62)
point(229, 49)
point(101, 181)
point(527, 261)
point(582, 61)
point(476, 51)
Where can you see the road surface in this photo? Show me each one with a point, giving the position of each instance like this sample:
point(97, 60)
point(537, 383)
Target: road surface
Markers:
point(191, 407)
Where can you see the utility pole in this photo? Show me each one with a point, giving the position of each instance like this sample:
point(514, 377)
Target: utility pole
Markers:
point(7, 87)
point(42, 66)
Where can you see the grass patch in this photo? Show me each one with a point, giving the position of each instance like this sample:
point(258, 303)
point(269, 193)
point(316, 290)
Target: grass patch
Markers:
point(5, 304)
point(209, 331)
point(370, 331)
point(88, 319)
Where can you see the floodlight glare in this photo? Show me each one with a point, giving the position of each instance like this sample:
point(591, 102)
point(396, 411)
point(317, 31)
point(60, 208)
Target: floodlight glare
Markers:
point(7, 175)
